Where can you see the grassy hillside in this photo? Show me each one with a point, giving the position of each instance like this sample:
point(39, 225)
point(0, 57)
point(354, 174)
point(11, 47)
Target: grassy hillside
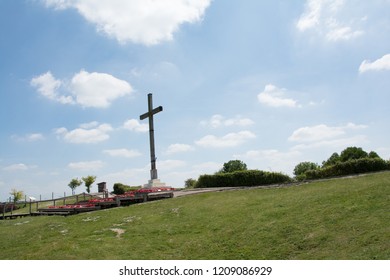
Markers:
point(334, 219)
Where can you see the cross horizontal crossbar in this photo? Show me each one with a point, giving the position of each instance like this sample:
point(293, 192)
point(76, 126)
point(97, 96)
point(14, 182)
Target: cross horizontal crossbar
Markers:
point(148, 114)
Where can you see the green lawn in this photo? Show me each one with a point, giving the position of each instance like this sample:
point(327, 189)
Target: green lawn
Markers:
point(333, 219)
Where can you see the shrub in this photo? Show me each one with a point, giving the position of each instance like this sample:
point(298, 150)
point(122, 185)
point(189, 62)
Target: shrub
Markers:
point(120, 188)
point(233, 166)
point(334, 158)
point(351, 153)
point(301, 168)
point(354, 166)
point(241, 178)
point(190, 183)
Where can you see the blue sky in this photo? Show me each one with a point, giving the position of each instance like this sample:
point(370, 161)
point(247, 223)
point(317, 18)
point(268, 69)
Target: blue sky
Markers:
point(272, 83)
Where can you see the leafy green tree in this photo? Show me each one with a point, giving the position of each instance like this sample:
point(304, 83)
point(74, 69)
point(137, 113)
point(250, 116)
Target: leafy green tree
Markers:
point(190, 183)
point(232, 166)
point(334, 158)
point(88, 181)
point(352, 153)
point(74, 183)
point(373, 154)
point(17, 195)
point(301, 168)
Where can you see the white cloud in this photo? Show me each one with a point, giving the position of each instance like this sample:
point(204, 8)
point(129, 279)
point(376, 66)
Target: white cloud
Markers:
point(320, 136)
point(170, 164)
point(135, 125)
point(96, 90)
point(272, 159)
point(18, 167)
point(86, 165)
point(229, 140)
point(382, 63)
point(342, 142)
point(178, 148)
point(147, 22)
point(324, 18)
point(322, 132)
point(338, 33)
point(275, 97)
point(49, 87)
point(122, 153)
point(32, 137)
point(217, 121)
point(92, 134)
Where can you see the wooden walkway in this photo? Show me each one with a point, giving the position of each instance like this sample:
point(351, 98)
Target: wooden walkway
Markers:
point(98, 205)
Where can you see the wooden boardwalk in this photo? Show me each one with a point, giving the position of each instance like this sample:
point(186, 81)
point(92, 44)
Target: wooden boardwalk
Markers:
point(117, 201)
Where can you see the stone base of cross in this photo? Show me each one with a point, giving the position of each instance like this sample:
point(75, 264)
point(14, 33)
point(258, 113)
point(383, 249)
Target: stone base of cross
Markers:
point(155, 183)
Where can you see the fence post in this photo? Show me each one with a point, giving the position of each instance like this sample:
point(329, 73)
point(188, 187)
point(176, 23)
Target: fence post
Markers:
point(64, 197)
point(30, 206)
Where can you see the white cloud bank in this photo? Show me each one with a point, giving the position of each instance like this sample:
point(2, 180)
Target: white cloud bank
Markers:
point(32, 137)
point(331, 136)
point(122, 153)
point(86, 165)
point(18, 167)
point(94, 89)
point(380, 64)
point(135, 125)
point(325, 17)
point(178, 148)
point(273, 96)
point(227, 141)
point(146, 22)
point(220, 121)
point(87, 133)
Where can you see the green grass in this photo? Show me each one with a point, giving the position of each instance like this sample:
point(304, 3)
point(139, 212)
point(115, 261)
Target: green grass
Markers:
point(334, 219)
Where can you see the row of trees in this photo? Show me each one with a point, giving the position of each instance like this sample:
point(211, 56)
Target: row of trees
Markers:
point(235, 173)
point(88, 181)
point(350, 161)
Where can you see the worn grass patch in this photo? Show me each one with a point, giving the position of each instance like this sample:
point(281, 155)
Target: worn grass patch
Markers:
point(334, 219)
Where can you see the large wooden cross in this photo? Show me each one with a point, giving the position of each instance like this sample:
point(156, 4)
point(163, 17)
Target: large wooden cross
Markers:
point(149, 114)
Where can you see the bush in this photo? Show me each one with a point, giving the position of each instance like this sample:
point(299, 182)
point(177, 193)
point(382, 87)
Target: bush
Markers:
point(301, 168)
point(190, 183)
point(120, 188)
point(352, 153)
point(354, 166)
point(241, 178)
point(233, 166)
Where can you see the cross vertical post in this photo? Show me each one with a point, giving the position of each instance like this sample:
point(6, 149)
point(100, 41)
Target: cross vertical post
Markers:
point(149, 114)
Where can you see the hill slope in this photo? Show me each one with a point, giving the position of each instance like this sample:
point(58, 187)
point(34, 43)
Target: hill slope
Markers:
point(334, 219)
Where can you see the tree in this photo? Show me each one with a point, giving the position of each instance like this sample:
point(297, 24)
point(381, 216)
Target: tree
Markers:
point(334, 158)
point(88, 181)
point(74, 183)
point(352, 153)
point(373, 154)
point(190, 183)
point(232, 166)
point(301, 168)
point(17, 195)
